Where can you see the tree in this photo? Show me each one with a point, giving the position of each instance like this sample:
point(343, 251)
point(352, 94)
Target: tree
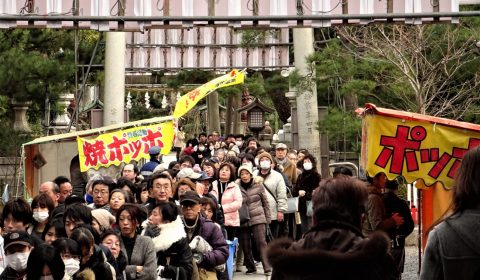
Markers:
point(436, 63)
point(35, 64)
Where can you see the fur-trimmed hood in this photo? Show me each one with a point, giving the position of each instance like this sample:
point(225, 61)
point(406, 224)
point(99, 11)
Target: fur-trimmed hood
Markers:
point(334, 253)
point(169, 234)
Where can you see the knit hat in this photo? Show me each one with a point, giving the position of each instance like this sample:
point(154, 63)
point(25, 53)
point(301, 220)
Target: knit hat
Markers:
point(104, 218)
point(265, 154)
point(245, 167)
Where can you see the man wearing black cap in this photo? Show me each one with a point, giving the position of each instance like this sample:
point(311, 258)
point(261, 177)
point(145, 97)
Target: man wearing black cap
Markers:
point(147, 169)
point(17, 246)
point(394, 204)
point(197, 225)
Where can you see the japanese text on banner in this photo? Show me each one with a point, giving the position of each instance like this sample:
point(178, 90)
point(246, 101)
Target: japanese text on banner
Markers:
point(124, 145)
point(415, 149)
point(189, 100)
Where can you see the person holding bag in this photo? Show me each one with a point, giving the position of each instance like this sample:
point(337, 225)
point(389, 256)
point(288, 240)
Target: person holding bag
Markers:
point(256, 200)
point(307, 182)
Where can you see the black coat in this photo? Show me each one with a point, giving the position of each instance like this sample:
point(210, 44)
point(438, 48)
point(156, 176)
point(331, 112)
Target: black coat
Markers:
point(179, 257)
point(308, 181)
point(173, 250)
point(98, 264)
point(332, 250)
point(394, 204)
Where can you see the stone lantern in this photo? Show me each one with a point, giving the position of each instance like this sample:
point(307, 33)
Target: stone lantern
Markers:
point(256, 118)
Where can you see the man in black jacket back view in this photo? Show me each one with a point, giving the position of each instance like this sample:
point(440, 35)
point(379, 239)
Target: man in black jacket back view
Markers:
point(394, 204)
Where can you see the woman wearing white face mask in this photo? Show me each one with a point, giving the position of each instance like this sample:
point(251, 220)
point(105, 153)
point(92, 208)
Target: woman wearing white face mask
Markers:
point(307, 182)
point(42, 206)
point(45, 263)
point(69, 251)
point(201, 153)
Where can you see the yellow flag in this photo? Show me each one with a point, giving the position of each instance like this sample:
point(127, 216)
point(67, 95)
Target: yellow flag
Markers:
point(189, 100)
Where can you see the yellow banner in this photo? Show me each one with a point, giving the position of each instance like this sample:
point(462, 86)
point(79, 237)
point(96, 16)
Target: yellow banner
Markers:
point(124, 145)
point(189, 100)
point(414, 149)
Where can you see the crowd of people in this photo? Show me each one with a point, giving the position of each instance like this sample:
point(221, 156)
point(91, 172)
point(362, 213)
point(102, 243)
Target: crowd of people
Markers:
point(172, 220)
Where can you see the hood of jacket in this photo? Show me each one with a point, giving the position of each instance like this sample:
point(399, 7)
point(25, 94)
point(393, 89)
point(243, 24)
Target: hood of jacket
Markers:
point(169, 234)
point(460, 232)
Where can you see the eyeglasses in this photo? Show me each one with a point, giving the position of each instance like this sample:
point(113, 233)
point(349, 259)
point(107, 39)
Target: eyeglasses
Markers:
point(102, 192)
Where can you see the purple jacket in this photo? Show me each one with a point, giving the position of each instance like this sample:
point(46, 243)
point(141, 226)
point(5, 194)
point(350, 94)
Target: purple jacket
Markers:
point(214, 236)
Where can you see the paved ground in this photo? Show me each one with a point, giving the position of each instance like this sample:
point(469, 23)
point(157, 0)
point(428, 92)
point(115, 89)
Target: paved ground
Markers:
point(410, 272)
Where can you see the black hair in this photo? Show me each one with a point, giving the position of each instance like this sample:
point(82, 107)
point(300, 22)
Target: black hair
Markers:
point(187, 158)
point(66, 245)
point(208, 201)
point(61, 180)
point(59, 228)
point(19, 209)
point(89, 227)
point(135, 212)
point(158, 175)
point(342, 170)
point(168, 209)
point(78, 212)
point(109, 183)
point(45, 255)
point(43, 200)
point(249, 157)
point(84, 237)
point(252, 139)
point(108, 232)
point(172, 172)
point(312, 159)
point(240, 136)
point(202, 134)
point(136, 170)
point(122, 182)
point(233, 170)
point(235, 161)
point(138, 193)
point(172, 164)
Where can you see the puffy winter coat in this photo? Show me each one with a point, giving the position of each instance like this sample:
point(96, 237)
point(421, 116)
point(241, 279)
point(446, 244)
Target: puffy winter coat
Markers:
point(173, 251)
point(231, 201)
point(276, 184)
point(257, 201)
point(212, 233)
